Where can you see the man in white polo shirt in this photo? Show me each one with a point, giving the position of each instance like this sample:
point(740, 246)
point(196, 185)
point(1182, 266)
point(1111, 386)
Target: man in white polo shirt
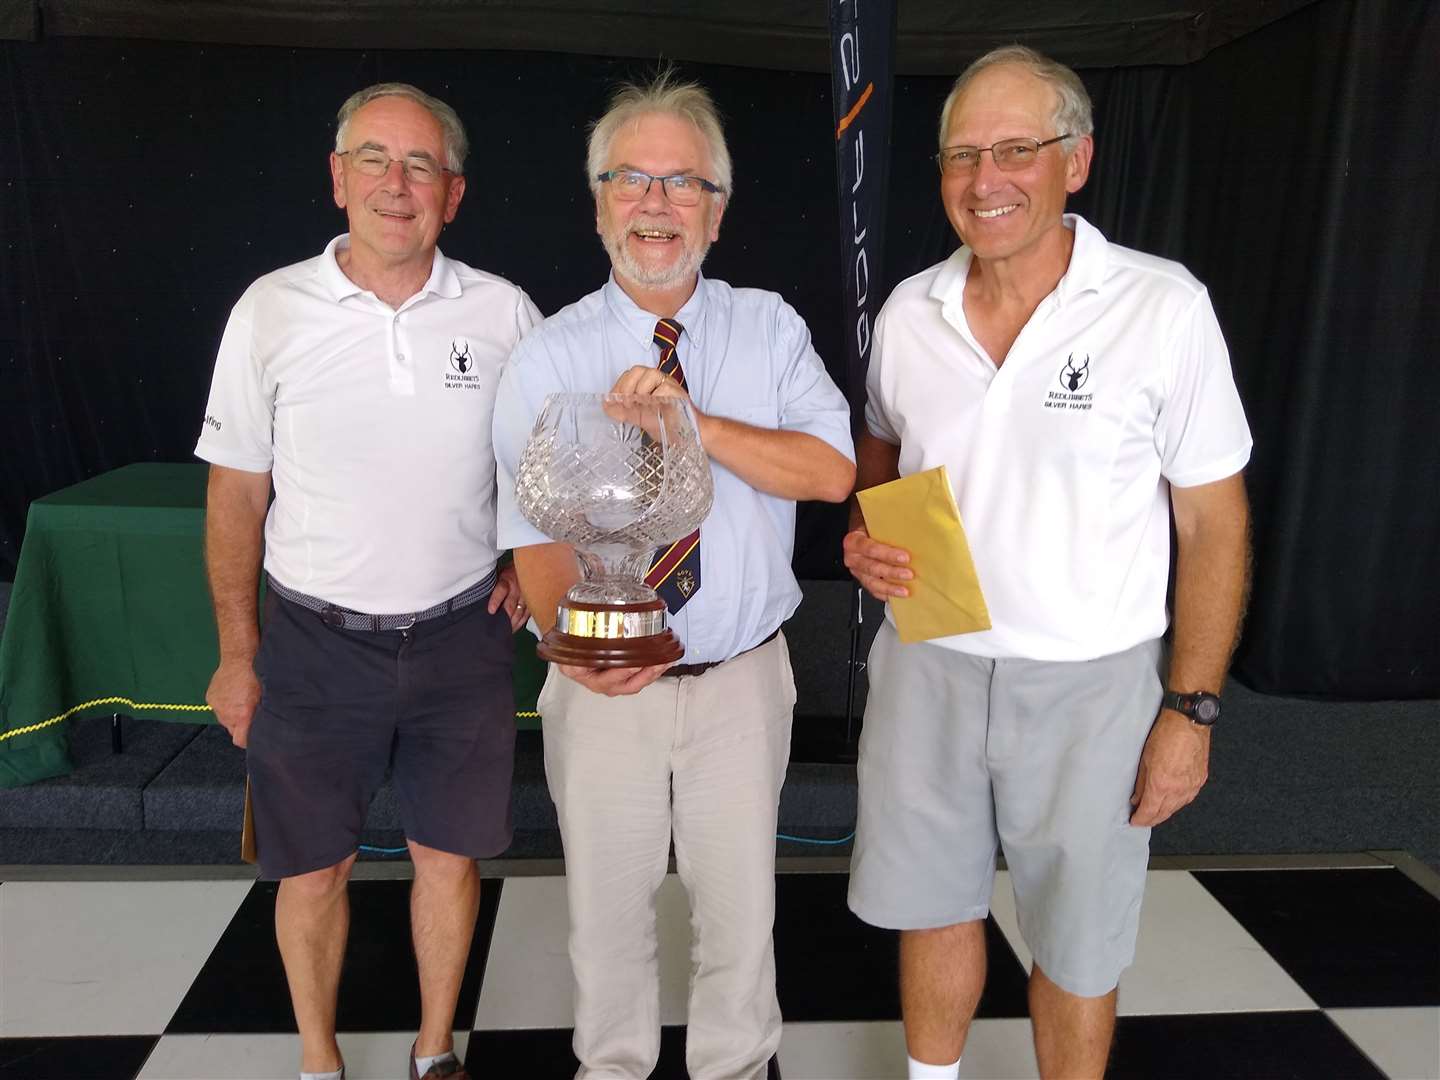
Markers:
point(1076, 391)
point(362, 384)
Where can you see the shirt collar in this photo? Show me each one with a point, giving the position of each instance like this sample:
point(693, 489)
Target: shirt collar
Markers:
point(640, 324)
point(949, 284)
point(1088, 260)
point(443, 280)
point(334, 278)
point(1086, 272)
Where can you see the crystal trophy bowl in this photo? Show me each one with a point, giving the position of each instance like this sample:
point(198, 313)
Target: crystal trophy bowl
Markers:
point(616, 476)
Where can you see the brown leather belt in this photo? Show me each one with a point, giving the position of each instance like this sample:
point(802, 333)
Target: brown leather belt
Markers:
point(678, 670)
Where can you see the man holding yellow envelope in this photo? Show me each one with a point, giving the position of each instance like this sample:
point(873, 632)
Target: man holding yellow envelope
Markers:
point(1061, 395)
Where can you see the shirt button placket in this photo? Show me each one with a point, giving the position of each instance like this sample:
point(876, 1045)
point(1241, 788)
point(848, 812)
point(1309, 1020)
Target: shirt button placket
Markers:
point(401, 374)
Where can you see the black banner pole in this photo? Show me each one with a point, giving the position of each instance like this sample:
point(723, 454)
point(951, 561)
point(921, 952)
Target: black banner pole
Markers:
point(862, 66)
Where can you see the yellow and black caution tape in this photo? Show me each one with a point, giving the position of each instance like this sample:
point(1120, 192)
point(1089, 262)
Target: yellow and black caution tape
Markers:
point(142, 705)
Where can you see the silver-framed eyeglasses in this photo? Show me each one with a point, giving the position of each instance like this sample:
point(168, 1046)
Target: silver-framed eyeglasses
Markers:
point(1009, 155)
point(418, 169)
point(631, 185)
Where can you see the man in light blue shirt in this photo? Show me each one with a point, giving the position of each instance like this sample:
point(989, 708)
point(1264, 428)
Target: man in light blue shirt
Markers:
point(698, 750)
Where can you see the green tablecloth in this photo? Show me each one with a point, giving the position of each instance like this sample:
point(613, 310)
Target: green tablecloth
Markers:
point(110, 614)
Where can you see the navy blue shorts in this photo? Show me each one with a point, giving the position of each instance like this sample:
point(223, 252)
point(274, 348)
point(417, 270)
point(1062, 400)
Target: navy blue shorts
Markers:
point(339, 707)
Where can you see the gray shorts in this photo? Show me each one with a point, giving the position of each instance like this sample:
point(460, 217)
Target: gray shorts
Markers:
point(960, 754)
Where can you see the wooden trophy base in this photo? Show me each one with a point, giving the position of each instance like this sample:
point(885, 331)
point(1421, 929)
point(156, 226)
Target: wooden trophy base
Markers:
point(610, 636)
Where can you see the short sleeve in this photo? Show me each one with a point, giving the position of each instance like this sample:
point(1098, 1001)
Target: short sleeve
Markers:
point(1201, 433)
point(810, 402)
point(238, 429)
point(518, 401)
point(877, 417)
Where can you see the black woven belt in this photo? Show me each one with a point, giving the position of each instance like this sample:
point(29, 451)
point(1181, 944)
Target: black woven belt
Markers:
point(678, 670)
point(345, 619)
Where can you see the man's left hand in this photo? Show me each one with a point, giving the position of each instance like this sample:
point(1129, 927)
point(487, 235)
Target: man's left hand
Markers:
point(1173, 768)
point(506, 594)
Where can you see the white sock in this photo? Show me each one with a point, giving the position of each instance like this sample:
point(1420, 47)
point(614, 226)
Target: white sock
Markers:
point(424, 1063)
point(921, 1071)
point(336, 1075)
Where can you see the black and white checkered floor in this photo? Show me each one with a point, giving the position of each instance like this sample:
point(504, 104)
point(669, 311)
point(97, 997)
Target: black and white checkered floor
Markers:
point(1331, 973)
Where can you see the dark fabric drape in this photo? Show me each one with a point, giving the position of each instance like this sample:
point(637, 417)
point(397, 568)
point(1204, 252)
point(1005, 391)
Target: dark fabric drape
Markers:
point(790, 35)
point(144, 184)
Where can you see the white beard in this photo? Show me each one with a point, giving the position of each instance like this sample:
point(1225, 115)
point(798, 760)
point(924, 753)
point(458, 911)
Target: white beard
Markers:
point(654, 277)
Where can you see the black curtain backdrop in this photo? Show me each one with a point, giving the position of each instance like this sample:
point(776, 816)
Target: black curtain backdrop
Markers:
point(1294, 170)
point(790, 35)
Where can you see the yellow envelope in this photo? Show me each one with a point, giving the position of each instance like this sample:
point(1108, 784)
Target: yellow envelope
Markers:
point(918, 513)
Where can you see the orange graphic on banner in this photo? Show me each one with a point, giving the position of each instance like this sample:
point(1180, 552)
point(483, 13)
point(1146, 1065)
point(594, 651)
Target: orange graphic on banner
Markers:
point(849, 118)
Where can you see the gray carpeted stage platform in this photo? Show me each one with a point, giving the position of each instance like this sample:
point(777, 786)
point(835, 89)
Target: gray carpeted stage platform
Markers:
point(1288, 776)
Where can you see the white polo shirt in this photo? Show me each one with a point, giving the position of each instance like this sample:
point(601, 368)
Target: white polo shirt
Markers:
point(375, 425)
point(1062, 458)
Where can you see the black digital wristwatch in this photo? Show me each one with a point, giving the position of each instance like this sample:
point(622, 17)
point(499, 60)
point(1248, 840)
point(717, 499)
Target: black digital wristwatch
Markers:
point(1201, 707)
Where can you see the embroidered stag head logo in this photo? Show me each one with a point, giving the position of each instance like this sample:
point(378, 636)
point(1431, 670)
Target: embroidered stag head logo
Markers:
point(1072, 377)
point(460, 358)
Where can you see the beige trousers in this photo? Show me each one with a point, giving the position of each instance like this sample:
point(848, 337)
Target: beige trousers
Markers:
point(701, 758)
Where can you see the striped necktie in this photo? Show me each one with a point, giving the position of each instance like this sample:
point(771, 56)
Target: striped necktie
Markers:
point(675, 571)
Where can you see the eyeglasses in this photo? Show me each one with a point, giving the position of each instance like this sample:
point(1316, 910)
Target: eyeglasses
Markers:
point(630, 185)
point(1009, 155)
point(417, 169)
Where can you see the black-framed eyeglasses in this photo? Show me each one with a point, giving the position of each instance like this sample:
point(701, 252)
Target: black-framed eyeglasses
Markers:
point(1009, 155)
point(417, 169)
point(631, 185)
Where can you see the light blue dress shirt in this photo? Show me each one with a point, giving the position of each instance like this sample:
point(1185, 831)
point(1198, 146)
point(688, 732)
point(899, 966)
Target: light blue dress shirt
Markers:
point(747, 356)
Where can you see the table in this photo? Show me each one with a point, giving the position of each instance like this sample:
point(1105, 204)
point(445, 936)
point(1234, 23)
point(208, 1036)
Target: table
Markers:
point(110, 614)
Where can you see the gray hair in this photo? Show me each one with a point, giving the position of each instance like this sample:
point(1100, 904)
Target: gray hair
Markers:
point(1073, 114)
point(453, 131)
point(663, 94)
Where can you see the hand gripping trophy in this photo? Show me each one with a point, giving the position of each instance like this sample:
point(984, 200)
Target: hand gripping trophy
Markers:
point(616, 476)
